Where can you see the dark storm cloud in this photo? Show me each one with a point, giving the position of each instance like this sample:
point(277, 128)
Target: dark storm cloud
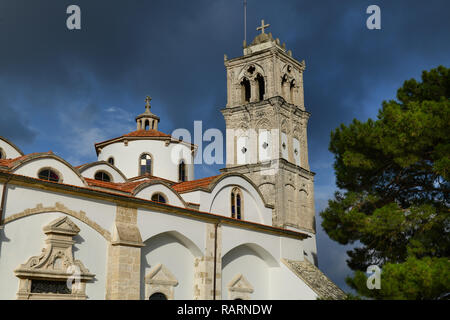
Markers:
point(89, 84)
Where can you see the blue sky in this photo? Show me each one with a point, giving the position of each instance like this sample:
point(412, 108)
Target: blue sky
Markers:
point(64, 90)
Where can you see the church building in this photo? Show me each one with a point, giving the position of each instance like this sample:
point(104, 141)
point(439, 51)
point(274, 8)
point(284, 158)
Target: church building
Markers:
point(136, 224)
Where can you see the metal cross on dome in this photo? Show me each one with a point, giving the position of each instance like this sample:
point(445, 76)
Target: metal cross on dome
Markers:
point(263, 26)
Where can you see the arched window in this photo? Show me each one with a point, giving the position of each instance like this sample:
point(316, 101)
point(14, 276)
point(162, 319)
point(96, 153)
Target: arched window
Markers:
point(182, 171)
point(146, 164)
point(102, 176)
point(147, 125)
point(2, 154)
point(158, 197)
point(111, 161)
point(49, 175)
point(261, 86)
point(236, 204)
point(291, 91)
point(246, 91)
point(158, 296)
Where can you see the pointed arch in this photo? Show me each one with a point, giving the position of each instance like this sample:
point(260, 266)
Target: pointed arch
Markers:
point(261, 86)
point(245, 90)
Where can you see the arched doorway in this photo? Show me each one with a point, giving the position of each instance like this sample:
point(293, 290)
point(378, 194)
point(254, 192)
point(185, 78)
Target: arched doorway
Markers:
point(158, 296)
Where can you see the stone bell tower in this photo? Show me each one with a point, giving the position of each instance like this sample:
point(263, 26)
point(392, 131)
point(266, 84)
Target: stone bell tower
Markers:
point(266, 125)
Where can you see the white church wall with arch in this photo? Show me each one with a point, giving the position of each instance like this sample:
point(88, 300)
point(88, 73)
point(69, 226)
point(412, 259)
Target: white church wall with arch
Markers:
point(65, 172)
point(170, 196)
point(16, 249)
point(219, 200)
point(191, 231)
point(8, 150)
point(169, 250)
point(246, 261)
point(23, 201)
point(91, 171)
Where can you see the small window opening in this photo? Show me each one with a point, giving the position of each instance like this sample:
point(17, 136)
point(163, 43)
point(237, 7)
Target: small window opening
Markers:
point(182, 171)
point(48, 175)
point(102, 176)
point(158, 197)
point(246, 90)
point(236, 204)
point(146, 164)
point(261, 86)
point(291, 91)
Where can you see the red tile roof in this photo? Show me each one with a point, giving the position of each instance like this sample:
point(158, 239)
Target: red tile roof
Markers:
point(194, 184)
point(11, 162)
point(124, 186)
point(139, 134)
point(128, 186)
point(147, 133)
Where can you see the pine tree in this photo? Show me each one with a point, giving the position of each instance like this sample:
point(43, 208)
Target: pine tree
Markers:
point(393, 176)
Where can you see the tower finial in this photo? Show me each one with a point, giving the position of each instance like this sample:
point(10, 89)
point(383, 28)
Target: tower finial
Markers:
point(263, 26)
point(147, 103)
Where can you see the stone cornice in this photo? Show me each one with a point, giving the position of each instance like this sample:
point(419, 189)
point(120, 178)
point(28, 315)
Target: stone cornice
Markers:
point(264, 53)
point(283, 164)
point(274, 101)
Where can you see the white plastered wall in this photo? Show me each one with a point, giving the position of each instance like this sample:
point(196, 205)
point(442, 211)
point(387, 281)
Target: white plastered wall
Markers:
point(257, 256)
point(20, 198)
point(10, 151)
point(167, 250)
point(218, 201)
point(173, 241)
point(23, 238)
point(67, 174)
point(168, 193)
point(91, 171)
point(165, 165)
point(152, 223)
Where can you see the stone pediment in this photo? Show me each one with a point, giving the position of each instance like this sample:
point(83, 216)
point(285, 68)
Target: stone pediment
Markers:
point(160, 275)
point(56, 260)
point(63, 226)
point(240, 284)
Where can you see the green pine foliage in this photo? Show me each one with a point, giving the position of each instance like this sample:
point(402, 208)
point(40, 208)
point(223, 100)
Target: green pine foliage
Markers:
point(393, 174)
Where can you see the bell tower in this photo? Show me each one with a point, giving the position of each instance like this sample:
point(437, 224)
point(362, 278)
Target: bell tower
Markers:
point(266, 124)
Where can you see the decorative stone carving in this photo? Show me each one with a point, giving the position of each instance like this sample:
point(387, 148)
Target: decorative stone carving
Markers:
point(239, 288)
point(54, 267)
point(160, 279)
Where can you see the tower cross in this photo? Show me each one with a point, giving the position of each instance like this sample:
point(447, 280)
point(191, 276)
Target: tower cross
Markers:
point(147, 102)
point(263, 26)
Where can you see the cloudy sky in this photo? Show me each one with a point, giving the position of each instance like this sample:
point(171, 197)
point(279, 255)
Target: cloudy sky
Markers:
point(64, 90)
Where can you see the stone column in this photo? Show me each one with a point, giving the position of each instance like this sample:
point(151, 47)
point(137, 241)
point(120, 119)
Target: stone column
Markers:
point(204, 267)
point(254, 90)
point(124, 257)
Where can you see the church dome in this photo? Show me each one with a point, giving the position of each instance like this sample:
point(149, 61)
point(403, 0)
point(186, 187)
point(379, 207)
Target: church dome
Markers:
point(148, 151)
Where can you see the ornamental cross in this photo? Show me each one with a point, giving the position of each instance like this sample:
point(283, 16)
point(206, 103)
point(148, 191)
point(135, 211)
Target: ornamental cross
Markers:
point(147, 102)
point(263, 26)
